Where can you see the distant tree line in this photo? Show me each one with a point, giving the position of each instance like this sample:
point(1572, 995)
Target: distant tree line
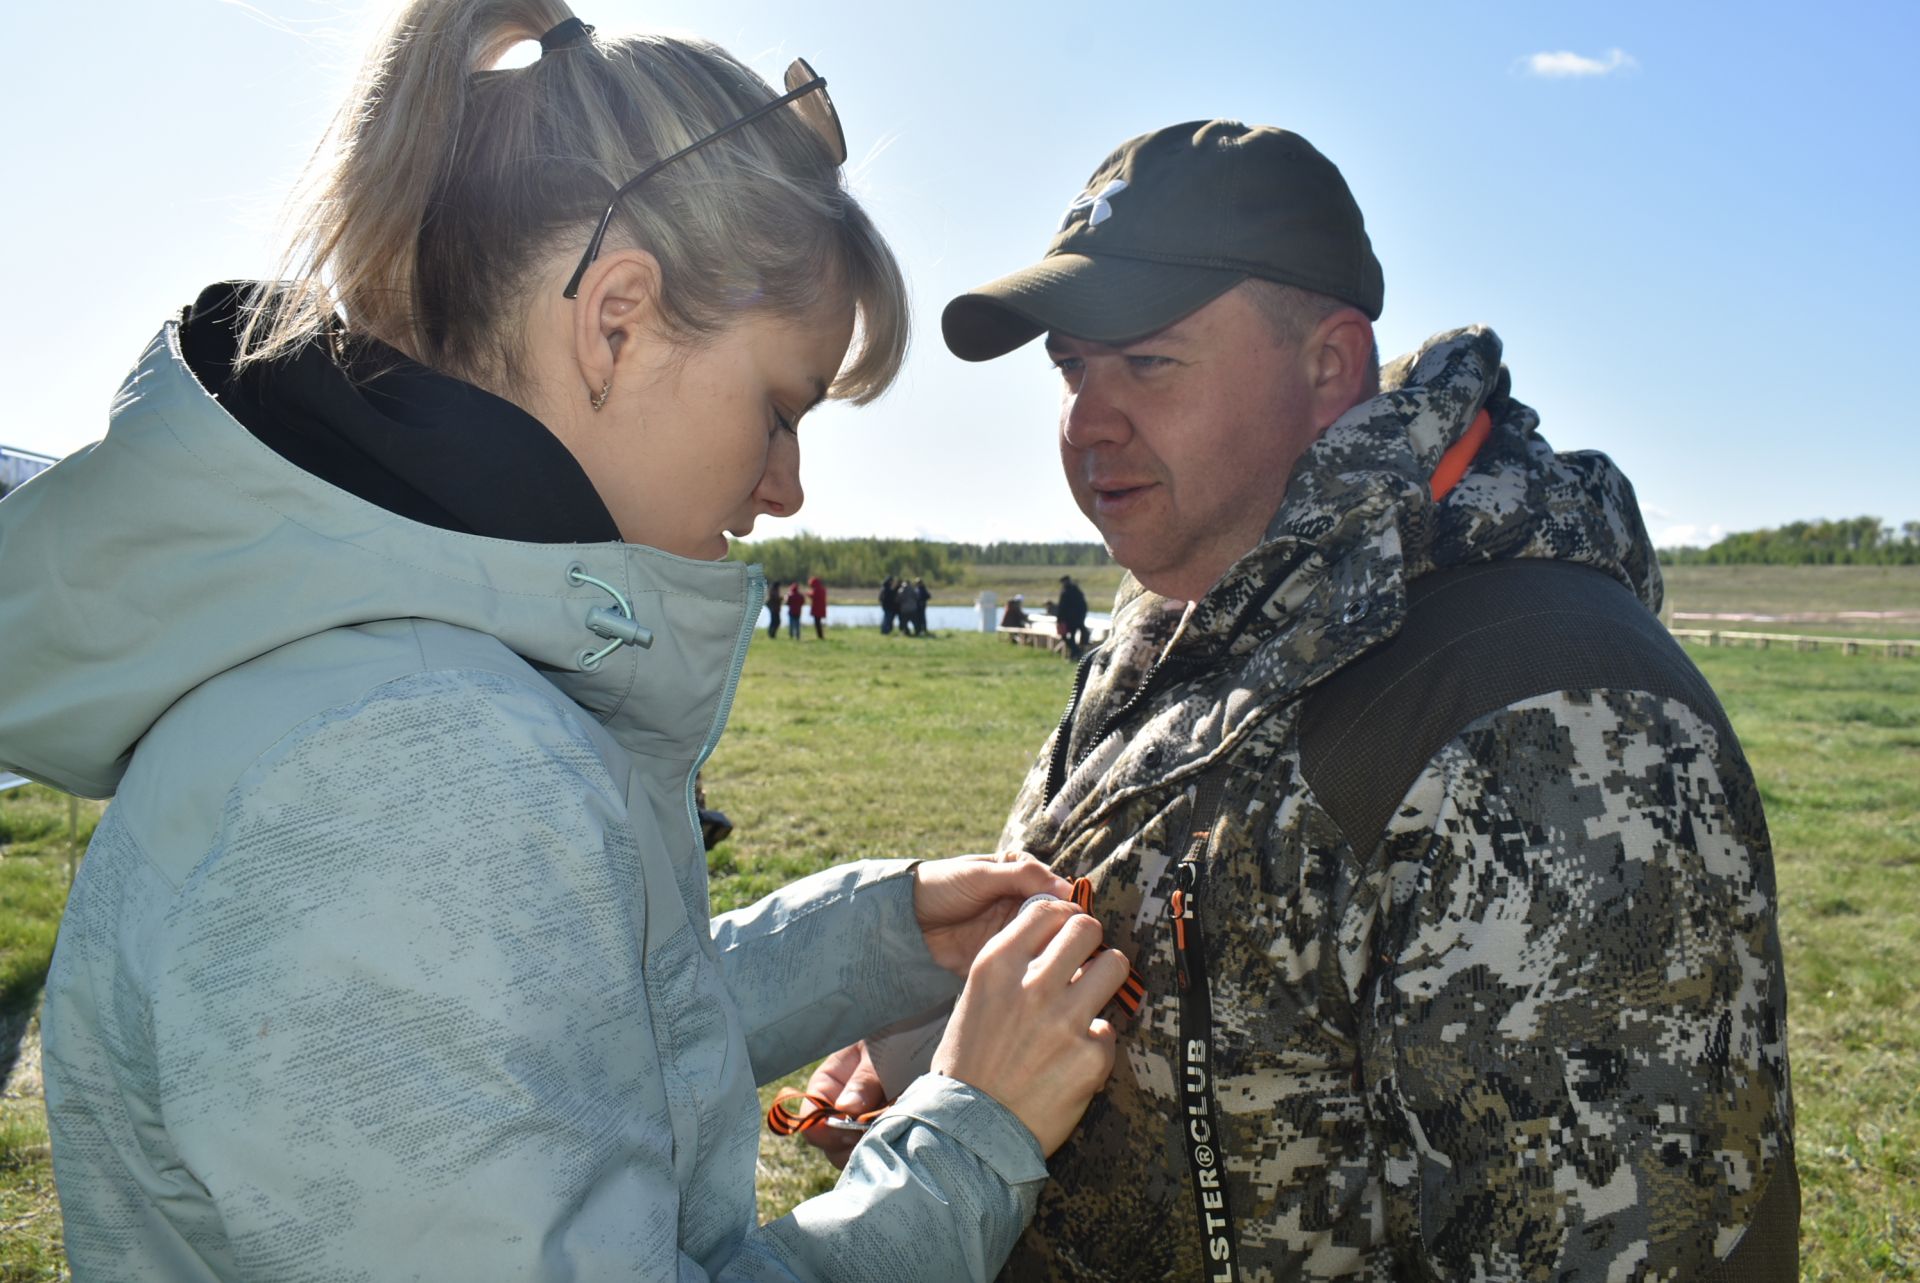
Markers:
point(869, 560)
point(852, 561)
point(1850, 541)
point(1033, 554)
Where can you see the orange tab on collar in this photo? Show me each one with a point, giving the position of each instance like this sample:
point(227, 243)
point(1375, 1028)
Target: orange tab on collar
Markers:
point(1454, 463)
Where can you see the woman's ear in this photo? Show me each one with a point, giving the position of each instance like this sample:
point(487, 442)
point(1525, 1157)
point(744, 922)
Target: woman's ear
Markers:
point(616, 310)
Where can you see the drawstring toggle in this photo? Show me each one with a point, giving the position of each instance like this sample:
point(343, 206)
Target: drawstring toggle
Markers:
point(620, 628)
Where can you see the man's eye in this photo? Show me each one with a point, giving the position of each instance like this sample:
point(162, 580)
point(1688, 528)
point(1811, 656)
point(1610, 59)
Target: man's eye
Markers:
point(1066, 364)
point(1148, 362)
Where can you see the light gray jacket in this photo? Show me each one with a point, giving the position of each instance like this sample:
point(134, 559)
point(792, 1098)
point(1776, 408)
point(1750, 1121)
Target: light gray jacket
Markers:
point(391, 958)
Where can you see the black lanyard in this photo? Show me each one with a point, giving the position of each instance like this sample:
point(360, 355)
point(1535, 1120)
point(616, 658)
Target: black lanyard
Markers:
point(1200, 1113)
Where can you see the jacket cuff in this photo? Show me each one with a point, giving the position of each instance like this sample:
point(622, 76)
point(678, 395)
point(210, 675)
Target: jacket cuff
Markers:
point(973, 1119)
point(902, 977)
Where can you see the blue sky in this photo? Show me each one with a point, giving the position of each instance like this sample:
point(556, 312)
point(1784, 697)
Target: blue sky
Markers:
point(1700, 254)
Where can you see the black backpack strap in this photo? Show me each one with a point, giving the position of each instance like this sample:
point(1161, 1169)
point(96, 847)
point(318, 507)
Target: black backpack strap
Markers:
point(1769, 1252)
point(1475, 640)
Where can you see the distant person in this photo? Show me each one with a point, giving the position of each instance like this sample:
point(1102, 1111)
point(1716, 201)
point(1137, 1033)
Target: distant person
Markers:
point(1015, 615)
point(817, 606)
point(795, 600)
point(773, 609)
point(920, 597)
point(904, 600)
point(889, 604)
point(1070, 617)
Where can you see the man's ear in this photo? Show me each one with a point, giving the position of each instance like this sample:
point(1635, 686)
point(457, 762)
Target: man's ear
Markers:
point(618, 305)
point(1339, 361)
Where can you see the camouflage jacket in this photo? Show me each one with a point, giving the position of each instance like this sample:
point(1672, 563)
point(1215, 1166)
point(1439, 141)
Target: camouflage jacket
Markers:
point(1480, 1049)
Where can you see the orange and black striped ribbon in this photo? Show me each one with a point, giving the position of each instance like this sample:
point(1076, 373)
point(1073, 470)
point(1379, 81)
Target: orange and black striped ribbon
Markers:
point(1133, 992)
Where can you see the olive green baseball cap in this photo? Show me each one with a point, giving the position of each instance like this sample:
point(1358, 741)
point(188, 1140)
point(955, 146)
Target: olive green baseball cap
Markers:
point(1169, 222)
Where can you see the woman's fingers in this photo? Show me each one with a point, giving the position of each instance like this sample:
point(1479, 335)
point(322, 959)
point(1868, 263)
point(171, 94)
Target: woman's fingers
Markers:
point(1099, 979)
point(849, 1080)
point(1026, 1029)
point(946, 891)
point(1075, 942)
point(960, 903)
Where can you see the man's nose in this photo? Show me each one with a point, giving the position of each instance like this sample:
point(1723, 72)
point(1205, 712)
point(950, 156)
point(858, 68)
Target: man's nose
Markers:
point(1092, 414)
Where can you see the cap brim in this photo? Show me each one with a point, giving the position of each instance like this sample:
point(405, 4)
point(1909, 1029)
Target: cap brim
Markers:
point(1104, 299)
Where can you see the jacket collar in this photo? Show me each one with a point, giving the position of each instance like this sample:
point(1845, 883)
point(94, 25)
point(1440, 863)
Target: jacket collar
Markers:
point(179, 547)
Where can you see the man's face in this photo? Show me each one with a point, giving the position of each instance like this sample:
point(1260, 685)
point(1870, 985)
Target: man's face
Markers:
point(1178, 446)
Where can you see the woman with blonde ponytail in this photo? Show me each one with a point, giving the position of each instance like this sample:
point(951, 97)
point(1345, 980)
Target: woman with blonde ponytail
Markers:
point(393, 611)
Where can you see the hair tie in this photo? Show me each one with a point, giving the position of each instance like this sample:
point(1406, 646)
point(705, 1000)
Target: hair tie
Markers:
point(570, 32)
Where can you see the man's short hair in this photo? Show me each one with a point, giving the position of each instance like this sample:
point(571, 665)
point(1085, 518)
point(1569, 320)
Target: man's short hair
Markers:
point(1292, 312)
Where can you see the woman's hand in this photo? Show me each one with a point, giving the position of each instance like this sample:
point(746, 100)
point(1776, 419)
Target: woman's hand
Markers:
point(961, 902)
point(849, 1080)
point(1027, 1028)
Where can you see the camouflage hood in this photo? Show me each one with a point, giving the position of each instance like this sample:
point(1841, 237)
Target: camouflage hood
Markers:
point(1358, 522)
point(1367, 476)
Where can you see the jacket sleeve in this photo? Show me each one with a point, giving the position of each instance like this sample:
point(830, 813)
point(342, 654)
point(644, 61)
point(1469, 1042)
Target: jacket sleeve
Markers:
point(828, 960)
point(405, 1031)
point(1574, 1037)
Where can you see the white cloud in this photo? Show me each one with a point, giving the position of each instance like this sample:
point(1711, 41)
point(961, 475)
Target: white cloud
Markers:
point(1685, 534)
point(1564, 63)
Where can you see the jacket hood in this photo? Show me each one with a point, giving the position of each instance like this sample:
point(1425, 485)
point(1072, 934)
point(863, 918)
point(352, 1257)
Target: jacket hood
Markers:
point(1365, 482)
point(179, 546)
point(1358, 521)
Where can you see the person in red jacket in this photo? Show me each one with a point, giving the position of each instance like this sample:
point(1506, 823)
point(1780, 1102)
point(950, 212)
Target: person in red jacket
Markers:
point(795, 600)
point(818, 592)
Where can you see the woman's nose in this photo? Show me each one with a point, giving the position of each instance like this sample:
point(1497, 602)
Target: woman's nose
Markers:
point(780, 491)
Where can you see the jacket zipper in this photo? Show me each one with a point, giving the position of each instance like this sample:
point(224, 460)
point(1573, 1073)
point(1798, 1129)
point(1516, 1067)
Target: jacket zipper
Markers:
point(749, 625)
point(1057, 766)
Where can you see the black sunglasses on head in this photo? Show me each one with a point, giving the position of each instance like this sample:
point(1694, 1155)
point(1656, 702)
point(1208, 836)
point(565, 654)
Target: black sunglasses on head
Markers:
point(806, 91)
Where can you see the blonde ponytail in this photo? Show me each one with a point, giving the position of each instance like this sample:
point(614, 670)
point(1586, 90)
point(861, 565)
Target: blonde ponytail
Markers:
point(445, 186)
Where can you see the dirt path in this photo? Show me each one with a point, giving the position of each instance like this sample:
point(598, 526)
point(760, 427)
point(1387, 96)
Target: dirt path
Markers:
point(20, 1058)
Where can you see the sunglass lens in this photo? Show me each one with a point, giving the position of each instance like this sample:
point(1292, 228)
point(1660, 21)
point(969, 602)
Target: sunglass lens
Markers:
point(817, 110)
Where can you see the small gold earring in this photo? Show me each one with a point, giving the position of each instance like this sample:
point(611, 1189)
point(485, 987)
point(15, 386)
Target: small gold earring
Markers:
point(599, 398)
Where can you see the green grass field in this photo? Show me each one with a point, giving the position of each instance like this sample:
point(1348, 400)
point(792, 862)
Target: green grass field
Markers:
point(1038, 583)
point(852, 747)
point(1773, 590)
point(35, 851)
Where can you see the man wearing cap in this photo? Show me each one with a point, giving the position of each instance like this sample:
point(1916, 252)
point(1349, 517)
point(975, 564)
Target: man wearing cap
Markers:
point(1448, 882)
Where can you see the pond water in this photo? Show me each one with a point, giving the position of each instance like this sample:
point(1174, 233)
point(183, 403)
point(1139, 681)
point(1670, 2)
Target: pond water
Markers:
point(939, 618)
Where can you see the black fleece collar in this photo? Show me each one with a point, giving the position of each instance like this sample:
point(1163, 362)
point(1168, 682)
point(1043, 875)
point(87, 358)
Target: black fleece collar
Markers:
point(418, 443)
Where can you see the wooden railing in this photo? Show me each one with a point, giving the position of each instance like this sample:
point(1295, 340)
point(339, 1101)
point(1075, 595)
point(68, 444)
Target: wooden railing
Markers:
point(1892, 648)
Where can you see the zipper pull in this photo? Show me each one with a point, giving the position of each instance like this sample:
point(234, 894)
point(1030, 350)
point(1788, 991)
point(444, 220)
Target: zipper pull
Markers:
point(1181, 908)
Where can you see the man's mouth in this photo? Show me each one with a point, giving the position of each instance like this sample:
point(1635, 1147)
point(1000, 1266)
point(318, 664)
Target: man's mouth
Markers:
point(1113, 497)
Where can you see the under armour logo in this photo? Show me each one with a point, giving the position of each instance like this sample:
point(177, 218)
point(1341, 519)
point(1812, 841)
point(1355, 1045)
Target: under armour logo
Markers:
point(1097, 202)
